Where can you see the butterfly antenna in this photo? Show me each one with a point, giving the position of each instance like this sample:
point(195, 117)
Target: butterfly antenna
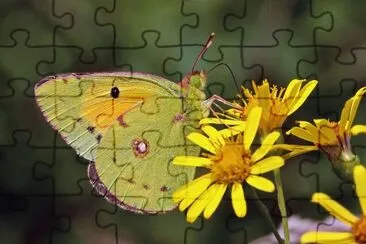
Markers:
point(231, 72)
point(204, 49)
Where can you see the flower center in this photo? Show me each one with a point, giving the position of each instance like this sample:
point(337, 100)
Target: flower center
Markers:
point(359, 230)
point(231, 164)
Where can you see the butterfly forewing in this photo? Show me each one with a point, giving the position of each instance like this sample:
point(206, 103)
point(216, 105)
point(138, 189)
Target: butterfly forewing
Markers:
point(82, 107)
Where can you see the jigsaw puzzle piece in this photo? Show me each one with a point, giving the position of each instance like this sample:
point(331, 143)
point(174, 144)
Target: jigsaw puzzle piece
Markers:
point(79, 213)
point(31, 16)
point(123, 20)
point(19, 101)
point(346, 32)
point(285, 54)
point(211, 19)
point(27, 219)
point(64, 165)
point(332, 73)
point(84, 18)
point(20, 59)
point(260, 19)
point(149, 57)
point(67, 59)
point(167, 228)
point(17, 162)
point(245, 230)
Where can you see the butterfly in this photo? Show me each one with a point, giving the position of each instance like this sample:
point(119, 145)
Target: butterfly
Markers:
point(129, 126)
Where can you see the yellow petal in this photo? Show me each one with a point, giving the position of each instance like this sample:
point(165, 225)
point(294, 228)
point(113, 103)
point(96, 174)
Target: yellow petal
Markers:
point(313, 130)
point(356, 102)
point(303, 134)
point(358, 129)
point(334, 208)
point(199, 205)
point(267, 164)
point(198, 185)
point(328, 237)
point(214, 203)
point(359, 175)
point(214, 135)
point(260, 183)
point(262, 95)
point(295, 150)
point(326, 134)
point(232, 131)
point(292, 89)
point(220, 121)
point(192, 161)
point(238, 200)
point(345, 115)
point(201, 141)
point(266, 146)
point(251, 128)
point(302, 96)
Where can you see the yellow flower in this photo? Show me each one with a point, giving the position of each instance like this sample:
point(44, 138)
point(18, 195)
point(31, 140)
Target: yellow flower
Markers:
point(357, 233)
point(333, 138)
point(229, 163)
point(277, 104)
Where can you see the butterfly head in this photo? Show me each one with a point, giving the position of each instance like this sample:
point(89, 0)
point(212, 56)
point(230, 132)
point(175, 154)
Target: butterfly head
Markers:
point(195, 79)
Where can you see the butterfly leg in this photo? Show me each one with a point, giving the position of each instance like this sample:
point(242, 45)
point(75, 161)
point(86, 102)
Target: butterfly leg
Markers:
point(213, 100)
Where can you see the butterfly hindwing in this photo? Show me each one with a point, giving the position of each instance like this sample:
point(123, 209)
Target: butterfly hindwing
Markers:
point(133, 161)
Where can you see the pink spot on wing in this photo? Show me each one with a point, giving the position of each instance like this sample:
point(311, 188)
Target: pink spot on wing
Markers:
point(179, 117)
point(140, 147)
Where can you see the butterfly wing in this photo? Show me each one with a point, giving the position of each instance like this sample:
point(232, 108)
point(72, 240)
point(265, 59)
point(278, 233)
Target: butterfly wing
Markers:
point(133, 167)
point(81, 107)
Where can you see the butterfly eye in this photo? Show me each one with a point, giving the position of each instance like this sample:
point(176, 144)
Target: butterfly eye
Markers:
point(115, 92)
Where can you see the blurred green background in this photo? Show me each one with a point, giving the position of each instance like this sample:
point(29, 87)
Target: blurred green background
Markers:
point(45, 196)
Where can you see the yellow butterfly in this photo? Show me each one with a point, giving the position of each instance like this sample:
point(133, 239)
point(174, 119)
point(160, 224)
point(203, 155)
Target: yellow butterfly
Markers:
point(130, 126)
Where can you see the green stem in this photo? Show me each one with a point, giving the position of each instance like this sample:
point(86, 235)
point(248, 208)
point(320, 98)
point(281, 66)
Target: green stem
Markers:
point(282, 204)
point(264, 211)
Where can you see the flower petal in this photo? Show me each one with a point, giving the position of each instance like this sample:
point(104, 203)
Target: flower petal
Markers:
point(192, 161)
point(312, 129)
point(214, 203)
point(302, 96)
point(303, 134)
point(345, 115)
point(193, 188)
point(266, 146)
point(328, 237)
point(214, 135)
point(356, 102)
point(358, 129)
point(292, 89)
point(295, 150)
point(232, 131)
point(267, 164)
point(238, 200)
point(199, 205)
point(221, 121)
point(326, 134)
point(334, 208)
point(251, 128)
point(260, 183)
point(359, 175)
point(201, 141)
